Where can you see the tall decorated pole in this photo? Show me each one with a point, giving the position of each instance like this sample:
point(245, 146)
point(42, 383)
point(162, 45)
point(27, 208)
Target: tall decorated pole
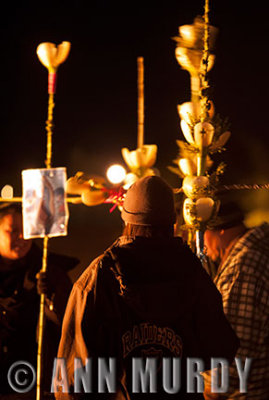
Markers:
point(51, 57)
point(203, 131)
point(204, 135)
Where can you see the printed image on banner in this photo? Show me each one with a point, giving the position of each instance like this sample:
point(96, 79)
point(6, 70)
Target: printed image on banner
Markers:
point(45, 211)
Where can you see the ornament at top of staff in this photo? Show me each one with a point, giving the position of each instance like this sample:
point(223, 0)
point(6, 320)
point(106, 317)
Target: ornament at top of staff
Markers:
point(190, 48)
point(51, 56)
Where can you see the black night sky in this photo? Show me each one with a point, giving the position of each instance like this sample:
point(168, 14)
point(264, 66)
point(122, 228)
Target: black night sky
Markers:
point(96, 99)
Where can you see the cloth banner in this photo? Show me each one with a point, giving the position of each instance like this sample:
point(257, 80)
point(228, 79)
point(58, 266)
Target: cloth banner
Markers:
point(44, 205)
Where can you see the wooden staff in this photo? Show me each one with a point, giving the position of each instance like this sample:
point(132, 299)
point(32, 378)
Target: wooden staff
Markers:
point(41, 325)
point(140, 105)
point(41, 321)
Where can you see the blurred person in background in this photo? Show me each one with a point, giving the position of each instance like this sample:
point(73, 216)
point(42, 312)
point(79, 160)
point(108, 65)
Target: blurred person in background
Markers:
point(20, 287)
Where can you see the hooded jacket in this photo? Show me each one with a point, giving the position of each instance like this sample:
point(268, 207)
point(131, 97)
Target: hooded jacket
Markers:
point(144, 297)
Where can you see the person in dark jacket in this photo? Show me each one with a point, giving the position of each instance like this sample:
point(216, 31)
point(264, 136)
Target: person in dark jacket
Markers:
point(20, 262)
point(146, 298)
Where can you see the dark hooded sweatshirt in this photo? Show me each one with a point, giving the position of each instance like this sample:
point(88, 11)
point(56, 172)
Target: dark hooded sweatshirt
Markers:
point(146, 298)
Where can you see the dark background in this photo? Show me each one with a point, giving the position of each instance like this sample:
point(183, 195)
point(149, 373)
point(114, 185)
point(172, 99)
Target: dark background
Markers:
point(96, 100)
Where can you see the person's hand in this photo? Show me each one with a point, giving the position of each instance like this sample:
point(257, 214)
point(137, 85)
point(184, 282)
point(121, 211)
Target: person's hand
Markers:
point(208, 395)
point(6, 303)
point(43, 284)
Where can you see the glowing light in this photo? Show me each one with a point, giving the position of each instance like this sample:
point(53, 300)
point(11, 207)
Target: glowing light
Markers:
point(7, 192)
point(116, 174)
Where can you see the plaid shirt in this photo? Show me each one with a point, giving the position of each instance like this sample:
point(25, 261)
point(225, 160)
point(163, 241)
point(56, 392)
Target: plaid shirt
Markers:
point(243, 281)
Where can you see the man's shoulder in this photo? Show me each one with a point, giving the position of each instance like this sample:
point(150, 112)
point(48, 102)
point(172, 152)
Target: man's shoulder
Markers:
point(249, 258)
point(87, 279)
point(256, 239)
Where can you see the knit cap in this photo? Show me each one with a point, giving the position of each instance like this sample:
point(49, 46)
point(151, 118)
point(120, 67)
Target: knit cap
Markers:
point(149, 201)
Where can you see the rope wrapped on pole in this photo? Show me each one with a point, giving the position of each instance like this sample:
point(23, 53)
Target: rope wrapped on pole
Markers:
point(41, 326)
point(41, 320)
point(140, 100)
